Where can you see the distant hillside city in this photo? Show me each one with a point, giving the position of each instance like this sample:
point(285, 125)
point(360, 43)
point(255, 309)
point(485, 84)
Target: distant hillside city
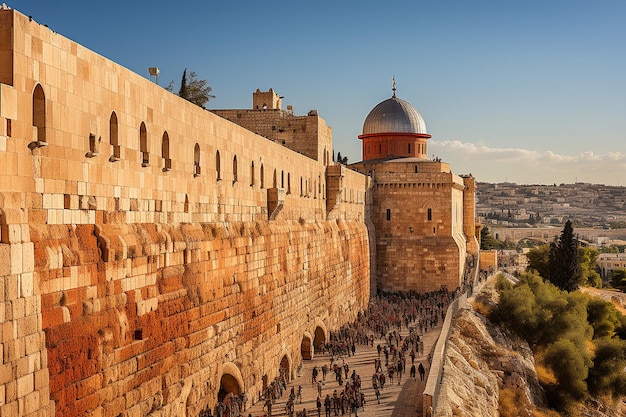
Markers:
point(586, 205)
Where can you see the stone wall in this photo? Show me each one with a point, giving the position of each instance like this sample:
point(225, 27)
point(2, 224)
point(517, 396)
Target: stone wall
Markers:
point(418, 218)
point(155, 256)
point(132, 313)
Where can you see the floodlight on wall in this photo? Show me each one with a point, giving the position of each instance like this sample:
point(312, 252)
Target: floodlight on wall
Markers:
point(154, 72)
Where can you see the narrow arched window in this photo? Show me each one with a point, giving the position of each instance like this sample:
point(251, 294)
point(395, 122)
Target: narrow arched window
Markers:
point(409, 148)
point(196, 160)
point(282, 179)
point(252, 174)
point(301, 188)
point(275, 182)
point(262, 176)
point(235, 169)
point(165, 152)
point(113, 138)
point(143, 145)
point(388, 214)
point(430, 214)
point(288, 183)
point(39, 113)
point(218, 168)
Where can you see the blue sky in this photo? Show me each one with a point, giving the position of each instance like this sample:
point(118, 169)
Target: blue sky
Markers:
point(520, 91)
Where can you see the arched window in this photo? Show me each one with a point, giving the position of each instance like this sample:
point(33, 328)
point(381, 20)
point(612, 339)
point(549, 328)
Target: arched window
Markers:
point(262, 176)
point(252, 174)
point(235, 169)
point(275, 182)
point(388, 214)
point(409, 148)
point(113, 138)
point(143, 145)
point(218, 168)
point(39, 114)
point(301, 188)
point(288, 183)
point(196, 160)
point(165, 152)
point(430, 214)
point(282, 179)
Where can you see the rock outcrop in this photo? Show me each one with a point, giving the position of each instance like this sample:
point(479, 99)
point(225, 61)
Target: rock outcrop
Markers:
point(481, 360)
point(489, 372)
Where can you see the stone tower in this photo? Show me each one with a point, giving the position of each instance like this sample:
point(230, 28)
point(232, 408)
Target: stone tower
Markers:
point(423, 214)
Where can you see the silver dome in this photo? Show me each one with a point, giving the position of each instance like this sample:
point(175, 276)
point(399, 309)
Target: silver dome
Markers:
point(394, 115)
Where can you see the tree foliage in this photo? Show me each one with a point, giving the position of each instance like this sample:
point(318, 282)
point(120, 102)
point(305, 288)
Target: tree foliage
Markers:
point(578, 338)
point(538, 260)
point(489, 242)
point(193, 89)
point(588, 261)
point(342, 159)
point(607, 376)
point(564, 261)
point(618, 279)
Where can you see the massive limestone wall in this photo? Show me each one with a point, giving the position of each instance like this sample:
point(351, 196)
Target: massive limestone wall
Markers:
point(133, 314)
point(154, 256)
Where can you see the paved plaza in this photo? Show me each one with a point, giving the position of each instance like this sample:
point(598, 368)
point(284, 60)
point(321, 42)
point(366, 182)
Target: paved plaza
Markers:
point(396, 400)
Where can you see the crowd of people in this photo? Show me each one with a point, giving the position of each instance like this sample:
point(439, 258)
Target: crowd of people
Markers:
point(382, 323)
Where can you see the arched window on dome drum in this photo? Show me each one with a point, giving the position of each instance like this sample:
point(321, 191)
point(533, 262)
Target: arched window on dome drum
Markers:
point(39, 113)
point(409, 148)
point(388, 214)
point(113, 138)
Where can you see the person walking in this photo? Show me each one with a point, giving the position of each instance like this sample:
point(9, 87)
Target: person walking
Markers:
point(422, 371)
point(327, 405)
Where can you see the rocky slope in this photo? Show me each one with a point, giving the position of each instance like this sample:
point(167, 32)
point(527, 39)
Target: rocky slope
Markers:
point(489, 373)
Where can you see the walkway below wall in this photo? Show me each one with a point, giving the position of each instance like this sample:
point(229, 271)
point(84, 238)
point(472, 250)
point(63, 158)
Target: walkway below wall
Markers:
point(396, 400)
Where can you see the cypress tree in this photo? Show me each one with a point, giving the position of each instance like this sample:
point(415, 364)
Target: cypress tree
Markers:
point(183, 86)
point(564, 260)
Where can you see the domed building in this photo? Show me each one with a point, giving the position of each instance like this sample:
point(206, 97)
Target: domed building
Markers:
point(422, 213)
point(394, 128)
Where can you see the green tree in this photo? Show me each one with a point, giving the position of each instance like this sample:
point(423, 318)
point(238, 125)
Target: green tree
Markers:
point(603, 317)
point(538, 260)
point(342, 160)
point(618, 279)
point(193, 89)
point(588, 262)
point(607, 377)
point(564, 260)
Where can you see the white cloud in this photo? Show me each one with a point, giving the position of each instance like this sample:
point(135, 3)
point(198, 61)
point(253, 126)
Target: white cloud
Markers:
point(524, 166)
